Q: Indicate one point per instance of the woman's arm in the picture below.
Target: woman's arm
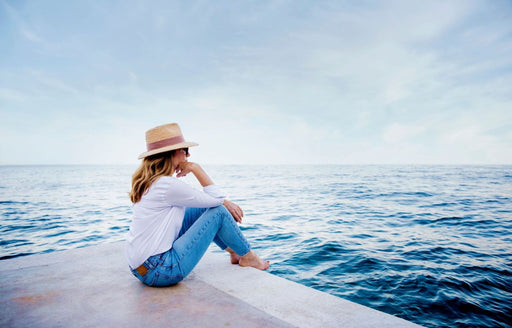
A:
(200, 174)
(205, 180)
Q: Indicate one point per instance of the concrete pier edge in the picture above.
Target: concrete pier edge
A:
(93, 286)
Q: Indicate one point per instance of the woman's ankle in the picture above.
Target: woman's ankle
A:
(234, 257)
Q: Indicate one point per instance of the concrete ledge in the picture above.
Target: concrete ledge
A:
(93, 287)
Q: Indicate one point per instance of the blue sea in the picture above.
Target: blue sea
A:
(430, 244)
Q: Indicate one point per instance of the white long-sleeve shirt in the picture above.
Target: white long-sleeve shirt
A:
(158, 216)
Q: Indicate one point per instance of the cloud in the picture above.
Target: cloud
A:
(23, 28)
(397, 132)
(282, 83)
(7, 94)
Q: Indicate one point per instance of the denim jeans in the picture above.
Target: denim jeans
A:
(200, 227)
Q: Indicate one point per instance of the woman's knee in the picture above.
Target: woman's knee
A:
(221, 210)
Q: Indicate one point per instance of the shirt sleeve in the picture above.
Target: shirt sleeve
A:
(214, 191)
(180, 193)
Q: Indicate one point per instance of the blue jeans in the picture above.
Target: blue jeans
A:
(200, 227)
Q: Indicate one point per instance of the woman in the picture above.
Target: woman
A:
(173, 224)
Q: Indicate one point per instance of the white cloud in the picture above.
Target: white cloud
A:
(24, 28)
(7, 94)
(397, 132)
(281, 83)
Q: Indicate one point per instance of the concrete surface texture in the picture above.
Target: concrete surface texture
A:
(93, 287)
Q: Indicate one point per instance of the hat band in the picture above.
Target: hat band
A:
(165, 142)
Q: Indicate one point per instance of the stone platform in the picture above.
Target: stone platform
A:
(93, 287)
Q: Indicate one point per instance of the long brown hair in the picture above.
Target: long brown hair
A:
(151, 168)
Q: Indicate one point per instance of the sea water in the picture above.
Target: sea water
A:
(430, 244)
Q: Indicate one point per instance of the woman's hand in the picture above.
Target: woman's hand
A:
(234, 209)
(185, 168)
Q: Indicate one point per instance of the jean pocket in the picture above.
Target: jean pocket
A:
(147, 279)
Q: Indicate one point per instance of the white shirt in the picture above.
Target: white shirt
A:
(158, 216)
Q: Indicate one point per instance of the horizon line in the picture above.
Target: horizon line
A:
(275, 164)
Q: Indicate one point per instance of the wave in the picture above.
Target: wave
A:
(10, 202)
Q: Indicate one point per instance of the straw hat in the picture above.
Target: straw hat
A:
(164, 138)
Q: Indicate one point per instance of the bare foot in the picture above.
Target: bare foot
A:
(252, 260)
(235, 258)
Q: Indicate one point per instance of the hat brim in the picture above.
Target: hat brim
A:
(168, 148)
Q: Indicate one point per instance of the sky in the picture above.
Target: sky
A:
(257, 82)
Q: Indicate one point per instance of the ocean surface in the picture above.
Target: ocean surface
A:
(430, 244)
